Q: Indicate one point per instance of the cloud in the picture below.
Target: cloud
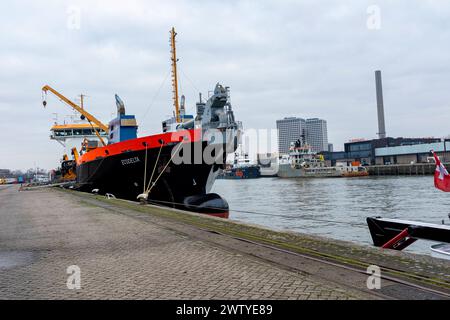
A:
(280, 58)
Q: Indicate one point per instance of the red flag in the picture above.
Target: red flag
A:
(441, 176)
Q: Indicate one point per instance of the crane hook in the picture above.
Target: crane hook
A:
(44, 99)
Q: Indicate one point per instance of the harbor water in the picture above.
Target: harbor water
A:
(335, 207)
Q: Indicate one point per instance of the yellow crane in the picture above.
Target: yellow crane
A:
(76, 107)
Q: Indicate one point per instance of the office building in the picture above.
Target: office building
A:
(317, 134)
(312, 131)
(290, 130)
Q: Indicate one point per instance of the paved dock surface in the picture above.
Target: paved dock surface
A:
(127, 254)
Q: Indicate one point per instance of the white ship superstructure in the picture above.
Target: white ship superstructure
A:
(73, 135)
(303, 162)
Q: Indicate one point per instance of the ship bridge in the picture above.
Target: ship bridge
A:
(62, 132)
(73, 134)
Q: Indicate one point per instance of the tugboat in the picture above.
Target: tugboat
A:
(355, 169)
(175, 168)
(242, 168)
(302, 162)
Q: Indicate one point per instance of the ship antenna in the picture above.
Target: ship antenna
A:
(174, 74)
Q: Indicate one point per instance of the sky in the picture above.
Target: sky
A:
(307, 58)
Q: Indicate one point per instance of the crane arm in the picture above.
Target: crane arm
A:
(88, 116)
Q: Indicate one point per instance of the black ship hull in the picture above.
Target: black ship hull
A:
(151, 169)
(383, 230)
(129, 174)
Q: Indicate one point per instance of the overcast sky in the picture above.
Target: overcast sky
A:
(305, 58)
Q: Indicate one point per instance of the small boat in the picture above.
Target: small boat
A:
(443, 250)
(398, 234)
(302, 162)
(353, 170)
(361, 172)
(241, 168)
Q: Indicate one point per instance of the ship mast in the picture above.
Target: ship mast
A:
(82, 100)
(174, 74)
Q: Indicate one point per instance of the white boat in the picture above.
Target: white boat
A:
(302, 162)
(442, 250)
(355, 169)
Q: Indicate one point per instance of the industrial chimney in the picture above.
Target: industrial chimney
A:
(380, 107)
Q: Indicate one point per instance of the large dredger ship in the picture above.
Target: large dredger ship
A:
(175, 168)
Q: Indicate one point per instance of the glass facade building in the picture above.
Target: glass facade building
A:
(290, 130)
(312, 131)
(317, 134)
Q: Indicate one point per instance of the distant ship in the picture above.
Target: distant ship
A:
(241, 168)
(302, 162)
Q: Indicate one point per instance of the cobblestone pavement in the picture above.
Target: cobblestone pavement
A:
(42, 232)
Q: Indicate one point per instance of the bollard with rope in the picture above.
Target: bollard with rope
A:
(148, 188)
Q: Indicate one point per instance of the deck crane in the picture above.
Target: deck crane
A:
(84, 113)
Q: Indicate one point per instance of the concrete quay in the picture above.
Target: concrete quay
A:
(125, 250)
(415, 169)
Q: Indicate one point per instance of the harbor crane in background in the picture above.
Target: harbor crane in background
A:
(80, 109)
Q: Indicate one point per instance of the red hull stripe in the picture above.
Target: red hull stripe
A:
(224, 215)
(139, 144)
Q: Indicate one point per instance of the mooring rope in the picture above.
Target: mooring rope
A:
(151, 185)
(165, 167)
(146, 191)
(257, 213)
